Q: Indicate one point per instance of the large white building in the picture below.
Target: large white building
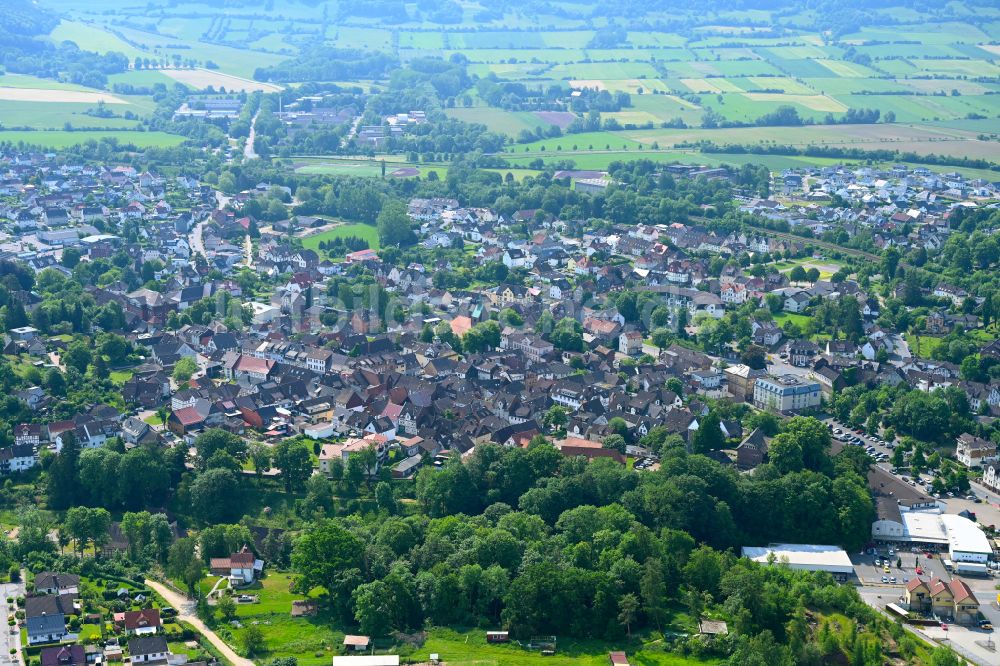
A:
(787, 393)
(807, 557)
(927, 526)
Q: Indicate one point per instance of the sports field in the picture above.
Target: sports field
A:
(363, 231)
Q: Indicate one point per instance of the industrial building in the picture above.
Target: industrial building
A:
(807, 557)
(907, 515)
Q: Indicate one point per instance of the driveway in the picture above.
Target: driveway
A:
(10, 637)
(186, 611)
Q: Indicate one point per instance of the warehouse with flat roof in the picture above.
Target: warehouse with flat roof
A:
(966, 541)
(808, 557)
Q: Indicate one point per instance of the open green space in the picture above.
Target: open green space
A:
(63, 139)
(799, 320)
(307, 638)
(120, 376)
(938, 138)
(470, 647)
(499, 120)
(310, 639)
(922, 346)
(363, 231)
(55, 115)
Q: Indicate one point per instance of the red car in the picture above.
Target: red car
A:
(929, 556)
(944, 626)
(919, 571)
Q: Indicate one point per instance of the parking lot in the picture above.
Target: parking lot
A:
(10, 638)
(871, 574)
(976, 645)
(881, 452)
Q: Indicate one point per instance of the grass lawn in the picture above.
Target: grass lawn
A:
(22, 364)
(799, 320)
(922, 345)
(153, 420)
(365, 231)
(826, 267)
(120, 376)
(90, 632)
(468, 648)
(306, 638)
(208, 582)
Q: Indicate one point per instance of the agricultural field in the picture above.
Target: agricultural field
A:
(727, 64)
(498, 120)
(63, 139)
(203, 78)
(600, 160)
(936, 138)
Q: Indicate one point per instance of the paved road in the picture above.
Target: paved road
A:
(195, 240)
(186, 611)
(248, 151)
(10, 637)
(248, 251)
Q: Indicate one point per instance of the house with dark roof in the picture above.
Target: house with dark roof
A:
(48, 582)
(64, 655)
(752, 450)
(45, 618)
(148, 650)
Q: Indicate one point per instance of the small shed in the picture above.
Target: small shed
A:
(713, 627)
(497, 636)
(618, 659)
(357, 643)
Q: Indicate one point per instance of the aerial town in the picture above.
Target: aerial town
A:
(512, 334)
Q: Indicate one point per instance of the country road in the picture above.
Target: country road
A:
(185, 610)
(248, 151)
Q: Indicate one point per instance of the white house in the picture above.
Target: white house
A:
(974, 451)
(241, 568)
(796, 302)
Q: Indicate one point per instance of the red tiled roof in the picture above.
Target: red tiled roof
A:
(460, 325)
(241, 560)
(936, 586)
(260, 366)
(392, 411)
(189, 416)
(148, 617)
(961, 591)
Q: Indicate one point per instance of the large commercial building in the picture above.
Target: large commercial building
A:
(787, 393)
(908, 516)
(807, 557)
